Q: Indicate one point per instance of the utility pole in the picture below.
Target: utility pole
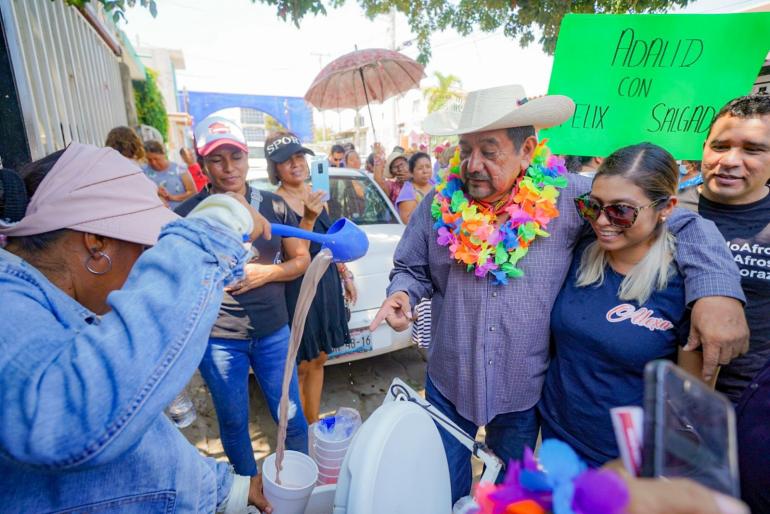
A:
(320, 67)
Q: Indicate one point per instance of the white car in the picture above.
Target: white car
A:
(355, 195)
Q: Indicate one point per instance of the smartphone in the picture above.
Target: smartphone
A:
(319, 176)
(689, 430)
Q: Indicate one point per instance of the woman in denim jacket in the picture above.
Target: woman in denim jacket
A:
(97, 336)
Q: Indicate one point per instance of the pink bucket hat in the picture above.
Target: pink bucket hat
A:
(95, 190)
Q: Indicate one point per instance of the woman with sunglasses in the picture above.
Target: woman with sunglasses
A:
(622, 303)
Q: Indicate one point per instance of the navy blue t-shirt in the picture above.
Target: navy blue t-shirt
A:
(600, 347)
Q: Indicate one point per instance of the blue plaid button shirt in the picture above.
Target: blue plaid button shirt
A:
(490, 343)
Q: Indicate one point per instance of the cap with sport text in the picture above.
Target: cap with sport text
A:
(216, 131)
(284, 147)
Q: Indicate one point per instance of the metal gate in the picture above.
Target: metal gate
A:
(68, 79)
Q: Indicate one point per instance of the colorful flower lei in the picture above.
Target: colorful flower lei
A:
(559, 483)
(468, 228)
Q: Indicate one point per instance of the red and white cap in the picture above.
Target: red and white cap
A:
(216, 131)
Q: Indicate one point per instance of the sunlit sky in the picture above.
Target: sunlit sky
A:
(236, 46)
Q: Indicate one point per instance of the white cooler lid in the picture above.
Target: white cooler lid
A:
(396, 464)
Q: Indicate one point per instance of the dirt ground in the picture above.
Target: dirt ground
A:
(361, 385)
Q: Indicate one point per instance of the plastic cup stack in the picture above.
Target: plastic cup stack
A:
(331, 437)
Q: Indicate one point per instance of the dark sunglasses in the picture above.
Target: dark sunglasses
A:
(618, 214)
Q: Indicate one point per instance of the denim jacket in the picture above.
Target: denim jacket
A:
(82, 427)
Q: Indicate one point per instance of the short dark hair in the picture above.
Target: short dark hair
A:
(416, 157)
(32, 175)
(518, 135)
(338, 149)
(573, 163)
(749, 106)
(154, 147)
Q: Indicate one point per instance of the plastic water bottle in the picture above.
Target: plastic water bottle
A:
(181, 410)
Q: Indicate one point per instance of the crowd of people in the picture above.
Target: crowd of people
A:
(123, 272)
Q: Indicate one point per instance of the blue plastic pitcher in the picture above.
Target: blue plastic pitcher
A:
(346, 241)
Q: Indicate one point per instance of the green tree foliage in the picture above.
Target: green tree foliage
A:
(149, 103)
(117, 7)
(521, 19)
(449, 88)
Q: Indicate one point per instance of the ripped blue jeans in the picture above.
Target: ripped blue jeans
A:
(225, 368)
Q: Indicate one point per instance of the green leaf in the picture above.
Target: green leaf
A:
(517, 255)
(458, 198)
(435, 209)
(501, 254)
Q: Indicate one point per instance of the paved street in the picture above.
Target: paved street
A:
(361, 385)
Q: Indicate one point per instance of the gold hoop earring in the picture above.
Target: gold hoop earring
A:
(99, 256)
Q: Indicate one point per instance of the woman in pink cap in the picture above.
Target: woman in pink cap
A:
(98, 334)
(252, 329)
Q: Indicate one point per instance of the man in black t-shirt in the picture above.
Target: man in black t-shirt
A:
(735, 196)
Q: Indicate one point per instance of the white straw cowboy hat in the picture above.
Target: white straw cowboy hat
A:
(500, 108)
(393, 157)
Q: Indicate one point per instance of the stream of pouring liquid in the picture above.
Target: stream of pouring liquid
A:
(306, 294)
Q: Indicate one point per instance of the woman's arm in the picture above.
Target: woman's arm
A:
(713, 283)
(312, 204)
(257, 275)
(189, 188)
(83, 397)
(405, 209)
(379, 175)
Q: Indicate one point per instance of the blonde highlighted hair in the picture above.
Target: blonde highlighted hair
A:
(655, 172)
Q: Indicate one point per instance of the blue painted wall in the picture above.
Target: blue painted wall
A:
(299, 119)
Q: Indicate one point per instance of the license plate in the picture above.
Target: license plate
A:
(360, 342)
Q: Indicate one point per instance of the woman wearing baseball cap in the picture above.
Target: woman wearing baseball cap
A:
(326, 327)
(98, 334)
(252, 329)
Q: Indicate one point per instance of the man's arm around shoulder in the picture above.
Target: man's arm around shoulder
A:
(713, 288)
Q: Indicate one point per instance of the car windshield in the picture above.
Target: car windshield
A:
(355, 198)
(359, 200)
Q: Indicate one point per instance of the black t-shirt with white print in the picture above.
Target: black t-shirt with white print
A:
(747, 231)
(260, 311)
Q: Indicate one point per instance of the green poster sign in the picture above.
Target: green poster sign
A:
(657, 78)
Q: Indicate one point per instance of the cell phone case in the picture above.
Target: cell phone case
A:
(689, 430)
(319, 176)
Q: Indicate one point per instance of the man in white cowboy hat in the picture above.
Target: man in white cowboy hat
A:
(490, 316)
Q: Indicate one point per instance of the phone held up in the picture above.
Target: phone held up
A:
(319, 176)
(689, 430)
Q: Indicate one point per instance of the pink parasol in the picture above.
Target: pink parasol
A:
(364, 76)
